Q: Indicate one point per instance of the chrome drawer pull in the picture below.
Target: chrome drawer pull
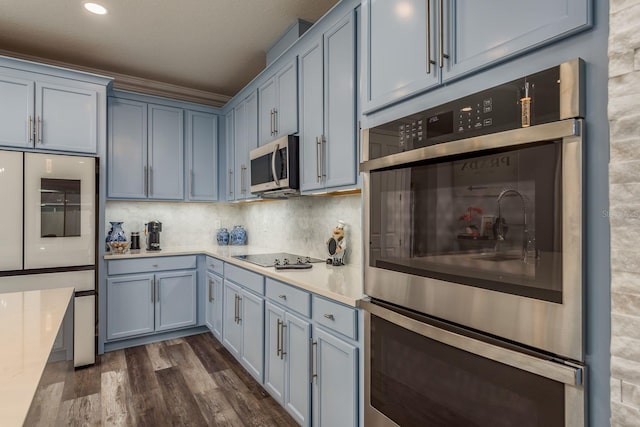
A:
(284, 297)
(330, 316)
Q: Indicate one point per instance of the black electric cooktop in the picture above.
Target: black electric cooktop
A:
(279, 258)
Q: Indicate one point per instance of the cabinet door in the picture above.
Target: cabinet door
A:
(338, 166)
(273, 361)
(297, 397)
(130, 306)
(229, 173)
(241, 157)
(477, 33)
(252, 138)
(66, 118)
(335, 388)
(266, 110)
(286, 119)
(202, 144)
(213, 313)
(399, 54)
(311, 114)
(252, 320)
(175, 300)
(166, 153)
(16, 112)
(231, 327)
(127, 149)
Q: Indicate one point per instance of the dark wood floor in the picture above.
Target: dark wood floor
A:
(191, 381)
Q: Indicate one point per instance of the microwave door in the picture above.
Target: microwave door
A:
(11, 212)
(59, 200)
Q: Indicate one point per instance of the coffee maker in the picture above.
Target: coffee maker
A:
(153, 235)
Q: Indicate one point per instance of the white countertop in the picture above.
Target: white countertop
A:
(342, 284)
(29, 323)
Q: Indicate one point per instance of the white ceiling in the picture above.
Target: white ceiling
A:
(216, 46)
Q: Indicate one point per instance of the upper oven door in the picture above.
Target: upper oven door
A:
(59, 211)
(484, 232)
(270, 166)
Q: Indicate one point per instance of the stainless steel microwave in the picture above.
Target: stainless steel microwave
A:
(275, 168)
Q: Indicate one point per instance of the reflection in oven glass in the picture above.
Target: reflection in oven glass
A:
(416, 381)
(491, 220)
(59, 207)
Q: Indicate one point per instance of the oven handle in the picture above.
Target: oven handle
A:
(572, 375)
(533, 134)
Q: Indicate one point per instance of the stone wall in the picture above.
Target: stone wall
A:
(624, 211)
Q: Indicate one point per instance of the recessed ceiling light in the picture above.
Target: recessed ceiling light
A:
(95, 8)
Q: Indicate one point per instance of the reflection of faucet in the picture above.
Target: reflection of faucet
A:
(500, 226)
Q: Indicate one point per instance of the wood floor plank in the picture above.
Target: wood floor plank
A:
(83, 411)
(183, 409)
(203, 346)
(241, 399)
(217, 410)
(196, 376)
(141, 374)
(115, 399)
(112, 361)
(82, 382)
(158, 356)
(45, 408)
(149, 409)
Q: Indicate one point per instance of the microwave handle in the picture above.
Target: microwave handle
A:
(273, 165)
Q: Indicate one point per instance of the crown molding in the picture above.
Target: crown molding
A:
(136, 84)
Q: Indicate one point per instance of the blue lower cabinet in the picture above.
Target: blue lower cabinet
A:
(335, 381)
(286, 372)
(243, 328)
(130, 306)
(142, 304)
(213, 310)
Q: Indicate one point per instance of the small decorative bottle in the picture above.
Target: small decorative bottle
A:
(222, 236)
(238, 235)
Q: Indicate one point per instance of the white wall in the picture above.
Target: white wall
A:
(624, 210)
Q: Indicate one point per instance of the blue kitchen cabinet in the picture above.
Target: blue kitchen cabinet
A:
(213, 313)
(287, 361)
(52, 114)
(127, 149)
(278, 104)
(411, 46)
(130, 306)
(229, 130)
(245, 139)
(175, 300)
(335, 381)
(252, 320)
(145, 150)
(328, 108)
(166, 152)
(202, 156)
(231, 326)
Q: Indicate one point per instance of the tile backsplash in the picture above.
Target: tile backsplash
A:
(299, 225)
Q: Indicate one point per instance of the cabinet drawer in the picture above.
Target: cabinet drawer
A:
(289, 296)
(215, 265)
(246, 278)
(335, 316)
(139, 265)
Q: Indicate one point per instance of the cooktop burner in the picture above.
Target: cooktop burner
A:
(280, 258)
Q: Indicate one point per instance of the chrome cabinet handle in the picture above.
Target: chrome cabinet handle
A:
(271, 121)
(235, 313)
(30, 128)
(242, 170)
(39, 131)
(441, 25)
(429, 60)
(273, 165)
(230, 182)
(313, 347)
(239, 309)
(284, 297)
(323, 143)
(210, 298)
(282, 352)
(151, 180)
(153, 290)
(146, 180)
(191, 182)
(330, 316)
(278, 338)
(318, 147)
(275, 121)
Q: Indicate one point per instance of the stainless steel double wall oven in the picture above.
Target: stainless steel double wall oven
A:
(473, 218)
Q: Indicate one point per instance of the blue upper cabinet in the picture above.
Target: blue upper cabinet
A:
(413, 45)
(278, 106)
(166, 152)
(245, 138)
(229, 129)
(55, 114)
(327, 105)
(202, 156)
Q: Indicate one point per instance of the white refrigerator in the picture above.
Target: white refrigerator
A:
(49, 234)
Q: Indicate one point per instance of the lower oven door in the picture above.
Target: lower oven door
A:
(418, 374)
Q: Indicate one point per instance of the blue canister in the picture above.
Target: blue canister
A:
(222, 236)
(238, 235)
